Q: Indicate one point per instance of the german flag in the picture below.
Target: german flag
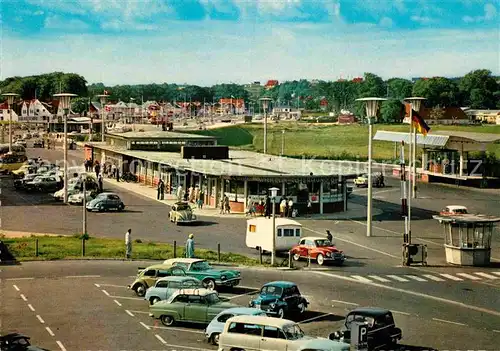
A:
(419, 123)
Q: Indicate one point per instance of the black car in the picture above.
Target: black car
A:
(21, 183)
(280, 299)
(382, 331)
(17, 342)
(38, 144)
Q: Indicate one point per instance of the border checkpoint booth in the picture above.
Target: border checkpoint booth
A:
(467, 238)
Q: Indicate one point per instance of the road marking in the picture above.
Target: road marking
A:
(114, 286)
(40, 319)
(30, 278)
(15, 287)
(97, 285)
(413, 293)
(139, 312)
(105, 292)
(432, 277)
(83, 276)
(31, 307)
(485, 275)
(449, 276)
(414, 277)
(345, 302)
(360, 278)
(248, 293)
(468, 276)
(129, 313)
(176, 329)
(247, 287)
(398, 278)
(119, 304)
(399, 312)
(380, 279)
(127, 297)
(61, 346)
(144, 325)
(314, 318)
(24, 297)
(356, 244)
(496, 331)
(446, 321)
(50, 331)
(497, 273)
(160, 338)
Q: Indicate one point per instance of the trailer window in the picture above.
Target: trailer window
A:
(297, 232)
(288, 232)
(252, 228)
(279, 232)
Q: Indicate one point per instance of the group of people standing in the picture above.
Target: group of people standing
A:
(193, 195)
(264, 207)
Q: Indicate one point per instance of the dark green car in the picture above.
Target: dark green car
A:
(210, 277)
(190, 305)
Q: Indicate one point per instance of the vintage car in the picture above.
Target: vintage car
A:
(318, 249)
(165, 287)
(77, 198)
(17, 342)
(106, 202)
(189, 305)
(147, 276)
(280, 299)
(43, 183)
(382, 331)
(20, 183)
(454, 210)
(216, 326)
(38, 144)
(181, 213)
(377, 180)
(211, 278)
(25, 169)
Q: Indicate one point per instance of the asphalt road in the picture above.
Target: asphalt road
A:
(85, 306)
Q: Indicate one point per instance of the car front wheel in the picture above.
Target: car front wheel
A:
(281, 313)
(320, 259)
(140, 290)
(209, 284)
(296, 257)
(215, 339)
(167, 320)
(301, 307)
(154, 300)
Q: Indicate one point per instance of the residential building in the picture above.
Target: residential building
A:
(286, 112)
(271, 84)
(232, 106)
(36, 111)
(5, 113)
(438, 115)
(483, 116)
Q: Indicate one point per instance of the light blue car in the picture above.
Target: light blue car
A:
(216, 326)
(165, 287)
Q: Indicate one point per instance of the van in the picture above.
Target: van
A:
(260, 233)
(268, 333)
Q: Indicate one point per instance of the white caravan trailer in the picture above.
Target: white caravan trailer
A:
(260, 233)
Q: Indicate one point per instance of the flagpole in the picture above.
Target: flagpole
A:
(414, 163)
(410, 152)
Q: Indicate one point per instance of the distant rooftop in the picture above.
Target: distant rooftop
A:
(159, 135)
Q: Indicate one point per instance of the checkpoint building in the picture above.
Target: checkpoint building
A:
(191, 160)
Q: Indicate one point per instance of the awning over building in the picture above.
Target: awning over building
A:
(428, 140)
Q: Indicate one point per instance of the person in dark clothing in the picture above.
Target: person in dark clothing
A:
(268, 207)
(161, 190)
(117, 175)
(329, 236)
(97, 169)
(99, 180)
(287, 208)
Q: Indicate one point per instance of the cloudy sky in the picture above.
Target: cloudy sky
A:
(213, 41)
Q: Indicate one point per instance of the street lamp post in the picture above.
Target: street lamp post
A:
(65, 105)
(372, 105)
(274, 193)
(282, 142)
(265, 105)
(102, 99)
(10, 101)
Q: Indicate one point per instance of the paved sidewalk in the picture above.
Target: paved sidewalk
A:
(354, 210)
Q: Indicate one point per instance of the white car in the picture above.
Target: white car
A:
(77, 199)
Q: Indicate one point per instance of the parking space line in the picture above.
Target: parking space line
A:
(496, 331)
(50, 331)
(129, 313)
(160, 338)
(24, 297)
(248, 293)
(83, 276)
(114, 286)
(119, 304)
(126, 297)
(248, 287)
(144, 325)
(176, 329)
(399, 312)
(15, 287)
(105, 292)
(31, 307)
(314, 318)
(97, 285)
(30, 278)
(139, 312)
(61, 346)
(449, 322)
(40, 319)
(346, 303)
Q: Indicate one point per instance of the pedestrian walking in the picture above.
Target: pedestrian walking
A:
(227, 206)
(282, 207)
(97, 169)
(128, 244)
(161, 190)
(290, 207)
(201, 196)
(309, 207)
(267, 207)
(287, 208)
(99, 181)
(117, 175)
(329, 236)
(190, 246)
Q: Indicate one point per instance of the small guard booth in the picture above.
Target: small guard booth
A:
(467, 238)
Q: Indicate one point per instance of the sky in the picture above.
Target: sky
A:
(206, 42)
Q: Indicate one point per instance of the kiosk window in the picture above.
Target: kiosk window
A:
(252, 228)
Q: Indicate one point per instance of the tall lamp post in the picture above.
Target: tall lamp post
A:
(10, 101)
(274, 193)
(372, 105)
(415, 103)
(282, 142)
(65, 105)
(102, 100)
(265, 105)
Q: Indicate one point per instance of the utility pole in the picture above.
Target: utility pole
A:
(84, 209)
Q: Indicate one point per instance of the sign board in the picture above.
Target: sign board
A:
(359, 336)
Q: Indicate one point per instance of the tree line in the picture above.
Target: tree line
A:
(478, 89)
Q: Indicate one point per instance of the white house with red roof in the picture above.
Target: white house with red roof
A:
(35, 111)
(5, 111)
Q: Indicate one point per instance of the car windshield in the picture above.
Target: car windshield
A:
(293, 332)
(460, 211)
(323, 243)
(200, 266)
(183, 207)
(213, 298)
(271, 290)
(101, 197)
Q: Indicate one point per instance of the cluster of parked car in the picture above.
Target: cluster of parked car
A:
(184, 290)
(38, 175)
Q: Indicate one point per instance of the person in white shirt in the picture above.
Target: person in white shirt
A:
(290, 207)
(128, 244)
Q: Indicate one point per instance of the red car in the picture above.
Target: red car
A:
(319, 249)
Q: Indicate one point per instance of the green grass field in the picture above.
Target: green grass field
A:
(325, 141)
(70, 247)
